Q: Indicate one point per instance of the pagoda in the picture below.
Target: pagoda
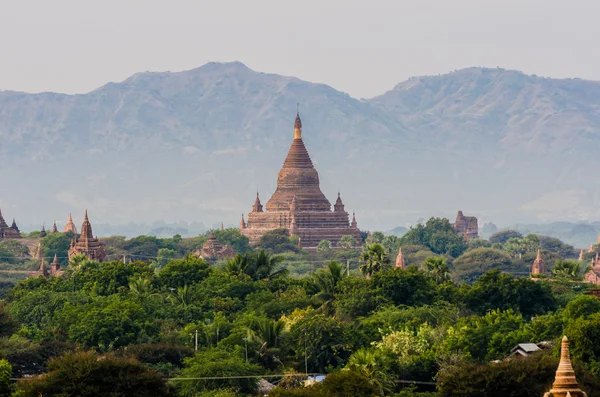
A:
(70, 226)
(8, 232)
(86, 244)
(299, 205)
(565, 384)
(213, 250)
(539, 266)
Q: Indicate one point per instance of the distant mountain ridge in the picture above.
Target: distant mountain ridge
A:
(196, 145)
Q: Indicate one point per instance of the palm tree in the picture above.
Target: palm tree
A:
(374, 258)
(140, 286)
(368, 363)
(327, 280)
(182, 297)
(569, 270)
(268, 266)
(267, 333)
(437, 268)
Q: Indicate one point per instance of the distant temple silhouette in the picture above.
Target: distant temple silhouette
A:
(299, 205)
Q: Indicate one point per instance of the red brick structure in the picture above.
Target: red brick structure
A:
(70, 226)
(466, 226)
(213, 250)
(539, 266)
(8, 232)
(299, 205)
(87, 244)
(592, 276)
(400, 260)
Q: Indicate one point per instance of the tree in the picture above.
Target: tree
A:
(370, 363)
(374, 258)
(324, 246)
(219, 363)
(268, 333)
(437, 268)
(178, 273)
(503, 236)
(519, 246)
(278, 241)
(234, 239)
(55, 244)
(327, 280)
(375, 238)
(472, 264)
(495, 290)
(259, 265)
(164, 256)
(5, 381)
(567, 270)
(438, 235)
(86, 373)
(347, 242)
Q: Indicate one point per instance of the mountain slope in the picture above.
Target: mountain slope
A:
(195, 145)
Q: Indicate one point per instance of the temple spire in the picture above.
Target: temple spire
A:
(565, 383)
(43, 232)
(354, 224)
(242, 223)
(539, 266)
(400, 260)
(581, 256)
(54, 228)
(339, 205)
(298, 124)
(257, 207)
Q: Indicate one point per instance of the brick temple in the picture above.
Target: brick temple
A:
(8, 232)
(299, 205)
(86, 244)
(466, 226)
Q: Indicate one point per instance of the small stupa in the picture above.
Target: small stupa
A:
(565, 384)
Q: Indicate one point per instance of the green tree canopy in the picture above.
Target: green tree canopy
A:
(438, 235)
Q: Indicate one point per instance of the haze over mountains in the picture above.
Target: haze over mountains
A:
(196, 145)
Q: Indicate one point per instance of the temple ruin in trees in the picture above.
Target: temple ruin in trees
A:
(299, 205)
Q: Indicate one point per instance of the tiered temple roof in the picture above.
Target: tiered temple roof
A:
(213, 250)
(565, 383)
(592, 276)
(87, 244)
(70, 226)
(539, 266)
(54, 228)
(8, 232)
(299, 205)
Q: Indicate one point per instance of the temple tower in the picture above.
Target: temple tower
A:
(400, 260)
(87, 244)
(299, 205)
(70, 226)
(539, 266)
(565, 384)
(7, 232)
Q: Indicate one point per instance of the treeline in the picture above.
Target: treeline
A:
(252, 319)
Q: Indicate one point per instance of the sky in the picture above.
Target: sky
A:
(361, 47)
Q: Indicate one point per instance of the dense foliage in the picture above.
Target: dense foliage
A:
(455, 308)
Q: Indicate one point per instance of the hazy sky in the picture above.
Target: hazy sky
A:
(361, 47)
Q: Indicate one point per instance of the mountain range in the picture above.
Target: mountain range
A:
(196, 145)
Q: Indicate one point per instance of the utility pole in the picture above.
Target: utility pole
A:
(305, 358)
(348, 266)
(196, 348)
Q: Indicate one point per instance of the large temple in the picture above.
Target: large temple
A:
(8, 232)
(299, 205)
(86, 244)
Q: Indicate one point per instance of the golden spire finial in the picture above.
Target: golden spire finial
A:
(298, 124)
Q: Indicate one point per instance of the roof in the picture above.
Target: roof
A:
(526, 347)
